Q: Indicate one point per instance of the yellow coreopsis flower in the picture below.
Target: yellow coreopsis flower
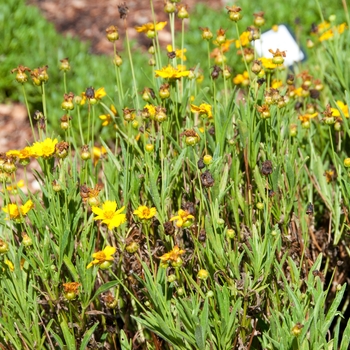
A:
(109, 214)
(241, 79)
(307, 117)
(144, 212)
(107, 118)
(151, 27)
(170, 72)
(173, 255)
(204, 110)
(44, 149)
(151, 110)
(243, 40)
(329, 34)
(341, 107)
(15, 187)
(98, 153)
(183, 219)
(17, 212)
(103, 258)
(267, 63)
(9, 264)
(179, 53)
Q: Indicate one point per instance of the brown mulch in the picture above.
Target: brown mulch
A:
(88, 19)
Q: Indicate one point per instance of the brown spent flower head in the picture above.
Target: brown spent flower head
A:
(254, 33)
(259, 19)
(21, 75)
(39, 75)
(62, 149)
(71, 287)
(112, 33)
(207, 179)
(278, 56)
(65, 65)
(182, 11)
(216, 72)
(266, 167)
(169, 228)
(123, 10)
(234, 13)
(67, 103)
(264, 110)
(206, 33)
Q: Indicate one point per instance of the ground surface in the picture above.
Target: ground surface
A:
(88, 19)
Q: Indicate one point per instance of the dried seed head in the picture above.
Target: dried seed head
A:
(207, 179)
(266, 167)
(123, 10)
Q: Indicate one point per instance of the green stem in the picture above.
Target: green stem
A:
(131, 66)
(28, 111)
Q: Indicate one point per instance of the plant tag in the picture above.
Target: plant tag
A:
(283, 40)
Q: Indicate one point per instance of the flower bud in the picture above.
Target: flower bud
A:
(191, 140)
(26, 240)
(347, 162)
(337, 126)
(4, 247)
(260, 205)
(106, 265)
(85, 153)
(64, 66)
(117, 60)
(207, 159)
(180, 291)
(112, 33)
(230, 233)
(133, 247)
(171, 278)
(149, 147)
(296, 330)
(182, 12)
(206, 33)
(169, 7)
(56, 186)
(293, 130)
(202, 274)
(256, 67)
(177, 263)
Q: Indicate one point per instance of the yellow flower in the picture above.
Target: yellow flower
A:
(276, 84)
(44, 149)
(150, 27)
(151, 110)
(19, 184)
(341, 107)
(144, 212)
(107, 118)
(109, 214)
(16, 212)
(106, 255)
(173, 255)
(98, 153)
(179, 53)
(183, 219)
(99, 93)
(307, 117)
(328, 34)
(241, 79)
(267, 63)
(9, 264)
(243, 40)
(203, 109)
(170, 72)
